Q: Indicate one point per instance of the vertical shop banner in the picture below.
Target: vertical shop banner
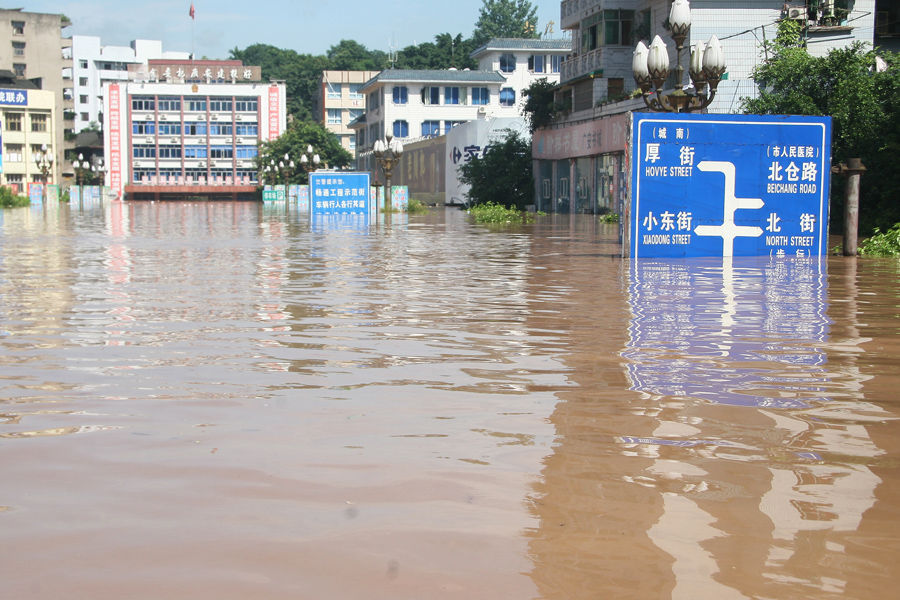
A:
(115, 140)
(729, 185)
(274, 112)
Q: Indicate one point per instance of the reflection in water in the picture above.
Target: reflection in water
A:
(424, 408)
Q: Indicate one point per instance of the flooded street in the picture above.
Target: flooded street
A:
(228, 401)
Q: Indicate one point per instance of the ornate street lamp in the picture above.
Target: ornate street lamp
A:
(650, 67)
(387, 154)
(309, 161)
(43, 160)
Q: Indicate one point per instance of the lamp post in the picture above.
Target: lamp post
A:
(98, 171)
(43, 160)
(309, 161)
(650, 67)
(81, 166)
(387, 154)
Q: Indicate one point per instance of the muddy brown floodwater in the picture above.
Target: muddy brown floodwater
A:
(227, 401)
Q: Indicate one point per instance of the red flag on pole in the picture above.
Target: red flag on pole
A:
(191, 13)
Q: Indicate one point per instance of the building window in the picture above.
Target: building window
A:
(170, 151)
(334, 90)
(169, 103)
(246, 129)
(481, 95)
(14, 178)
(431, 128)
(354, 91)
(85, 117)
(195, 152)
(82, 81)
(18, 48)
(143, 103)
(507, 97)
(221, 152)
(143, 151)
(220, 128)
(555, 63)
(353, 114)
(220, 105)
(38, 122)
(13, 121)
(19, 69)
(195, 128)
(169, 128)
(18, 27)
(451, 95)
(607, 28)
(431, 95)
(247, 151)
(246, 104)
(82, 64)
(401, 129)
(334, 116)
(536, 63)
(196, 105)
(13, 153)
(143, 127)
(400, 94)
(351, 143)
(83, 99)
(507, 63)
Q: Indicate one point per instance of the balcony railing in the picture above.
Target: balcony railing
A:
(581, 65)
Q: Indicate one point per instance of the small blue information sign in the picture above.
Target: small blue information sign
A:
(338, 193)
(729, 185)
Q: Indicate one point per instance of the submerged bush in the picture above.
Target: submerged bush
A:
(492, 212)
(885, 243)
(10, 200)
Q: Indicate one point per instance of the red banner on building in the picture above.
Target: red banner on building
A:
(274, 112)
(115, 141)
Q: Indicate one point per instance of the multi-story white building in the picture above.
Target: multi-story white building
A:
(95, 65)
(189, 129)
(414, 104)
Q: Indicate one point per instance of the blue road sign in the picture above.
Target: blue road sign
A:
(334, 193)
(729, 185)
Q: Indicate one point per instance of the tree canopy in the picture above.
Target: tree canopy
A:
(505, 18)
(862, 101)
(294, 142)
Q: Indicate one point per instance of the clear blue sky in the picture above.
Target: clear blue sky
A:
(309, 27)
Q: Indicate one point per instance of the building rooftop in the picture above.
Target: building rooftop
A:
(9, 80)
(445, 75)
(495, 44)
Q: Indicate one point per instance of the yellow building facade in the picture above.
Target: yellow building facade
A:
(28, 118)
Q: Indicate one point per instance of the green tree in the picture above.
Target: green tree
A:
(540, 105)
(502, 175)
(505, 19)
(445, 52)
(294, 142)
(349, 55)
(862, 101)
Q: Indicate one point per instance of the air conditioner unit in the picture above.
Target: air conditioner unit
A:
(214, 117)
(796, 14)
(148, 141)
(239, 141)
(174, 141)
(162, 117)
(201, 165)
